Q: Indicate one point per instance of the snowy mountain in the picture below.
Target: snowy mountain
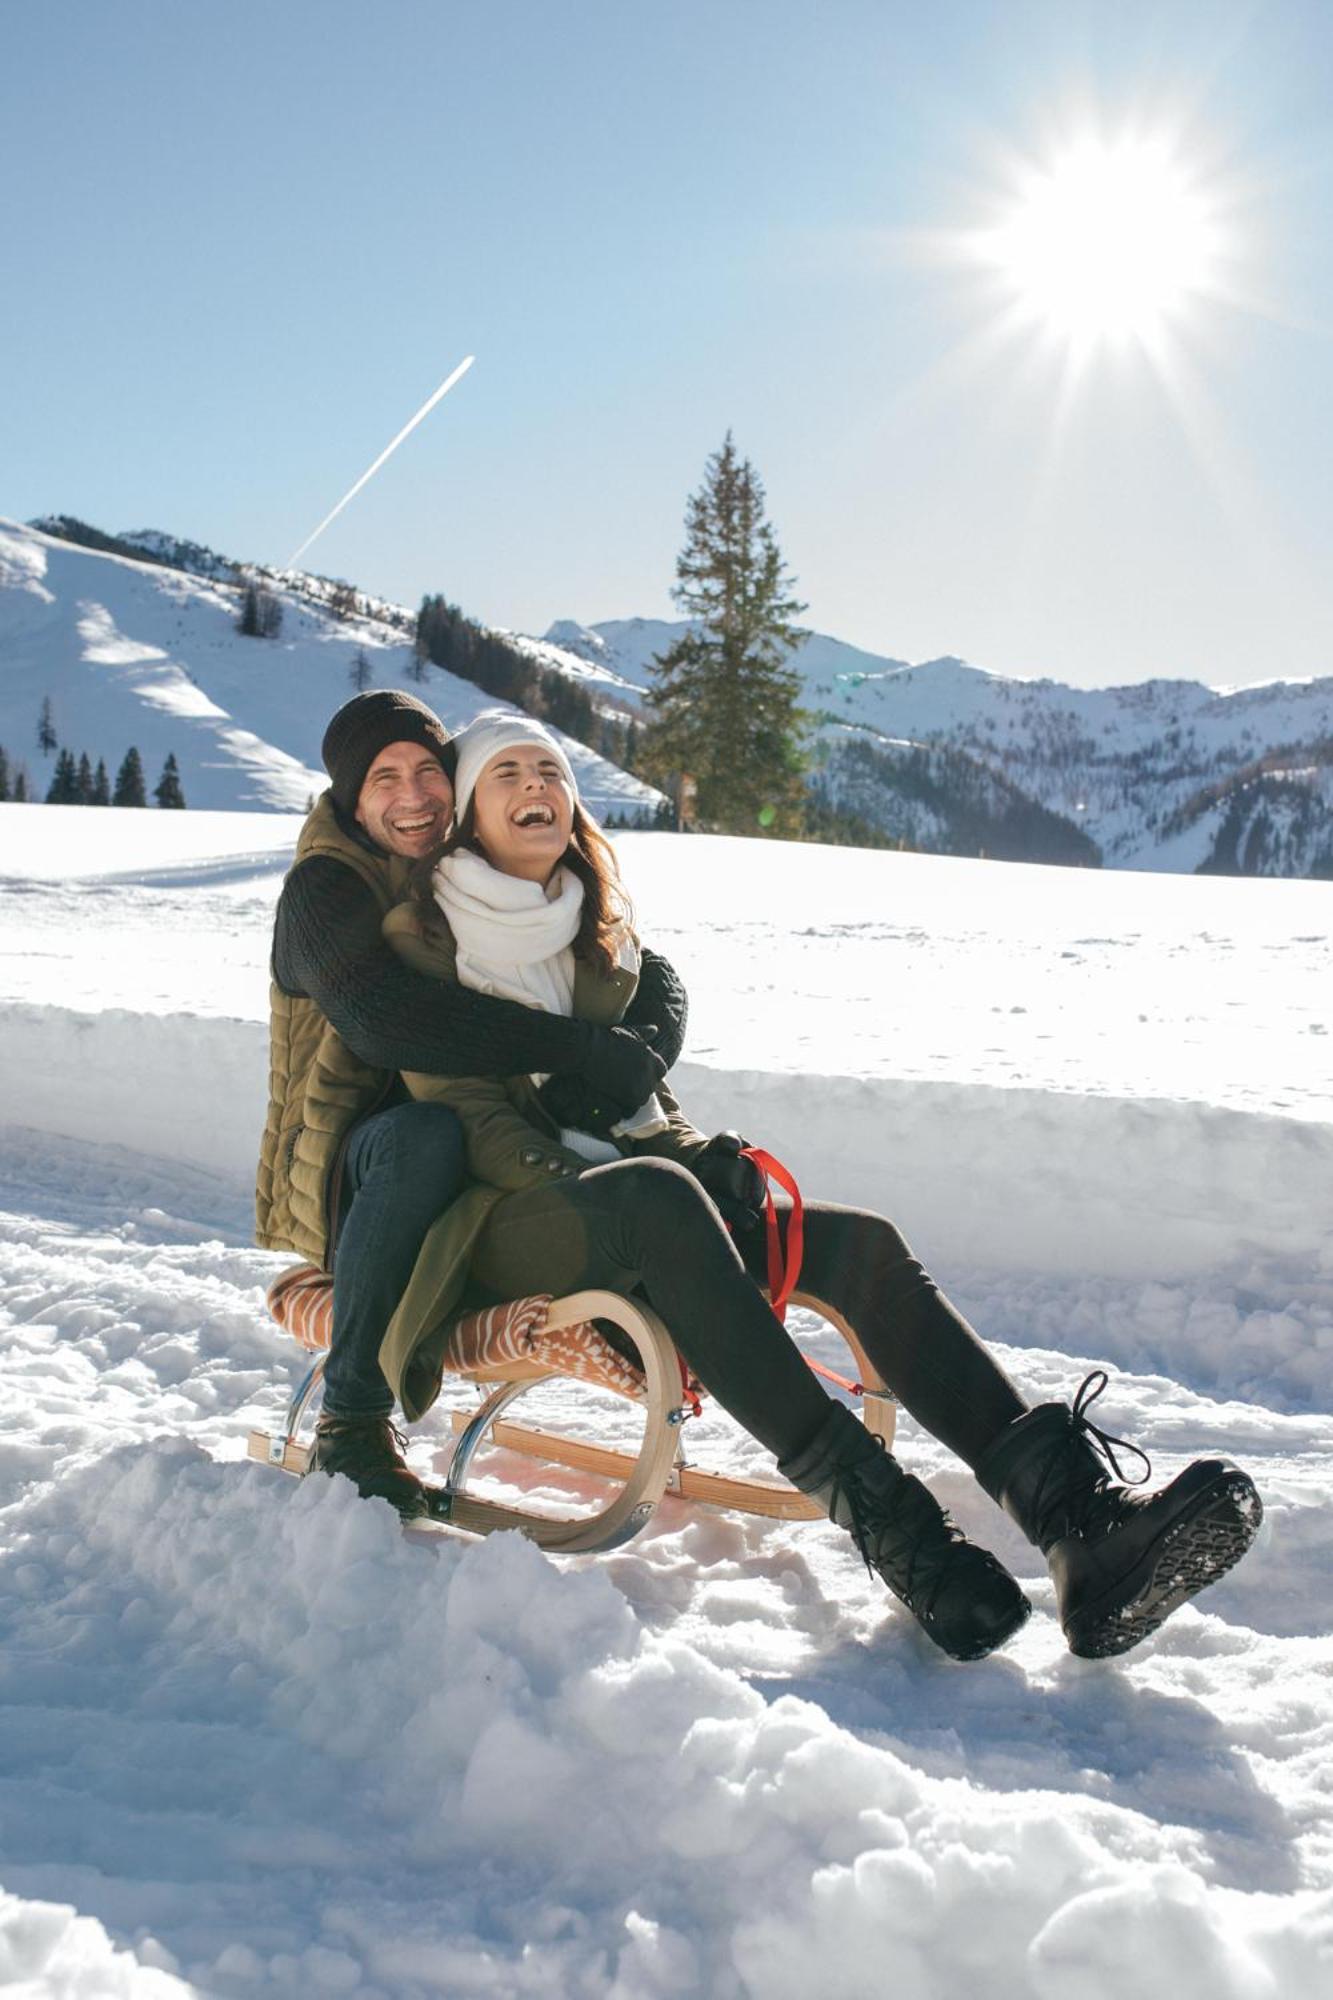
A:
(143, 650)
(133, 639)
(1162, 774)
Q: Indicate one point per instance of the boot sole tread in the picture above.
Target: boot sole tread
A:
(1194, 1552)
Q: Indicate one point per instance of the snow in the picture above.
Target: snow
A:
(257, 1741)
(132, 653)
(1118, 761)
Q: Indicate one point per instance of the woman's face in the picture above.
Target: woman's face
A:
(524, 812)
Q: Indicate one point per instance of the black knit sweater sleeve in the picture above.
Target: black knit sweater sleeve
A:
(327, 945)
(660, 1001)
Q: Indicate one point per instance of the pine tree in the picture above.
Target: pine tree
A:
(270, 615)
(4, 776)
(359, 671)
(167, 790)
(47, 740)
(723, 702)
(84, 781)
(64, 786)
(21, 785)
(101, 785)
(416, 666)
(129, 781)
(261, 612)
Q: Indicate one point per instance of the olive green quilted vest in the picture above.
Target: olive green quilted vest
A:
(317, 1088)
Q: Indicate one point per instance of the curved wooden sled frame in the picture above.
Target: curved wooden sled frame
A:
(658, 1468)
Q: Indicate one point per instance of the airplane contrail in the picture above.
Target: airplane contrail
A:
(387, 452)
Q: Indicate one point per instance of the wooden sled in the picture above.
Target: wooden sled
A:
(566, 1343)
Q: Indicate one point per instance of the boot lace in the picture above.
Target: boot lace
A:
(918, 1540)
(1064, 1488)
(1102, 1440)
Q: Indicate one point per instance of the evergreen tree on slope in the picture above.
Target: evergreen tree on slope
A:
(129, 781)
(167, 791)
(724, 704)
(64, 787)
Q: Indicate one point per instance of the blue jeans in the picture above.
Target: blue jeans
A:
(402, 1168)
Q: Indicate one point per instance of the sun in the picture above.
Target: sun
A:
(1106, 242)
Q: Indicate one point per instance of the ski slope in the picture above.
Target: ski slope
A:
(132, 653)
(259, 1742)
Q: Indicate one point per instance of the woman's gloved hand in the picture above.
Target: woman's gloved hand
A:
(736, 1185)
(595, 1098)
(576, 1104)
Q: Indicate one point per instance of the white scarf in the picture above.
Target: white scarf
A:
(515, 939)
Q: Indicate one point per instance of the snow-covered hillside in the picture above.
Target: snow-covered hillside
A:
(258, 1742)
(134, 653)
(1160, 774)
(941, 757)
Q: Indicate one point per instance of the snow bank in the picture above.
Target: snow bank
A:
(1002, 1179)
(508, 1785)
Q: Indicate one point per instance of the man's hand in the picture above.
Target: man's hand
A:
(736, 1185)
(622, 1070)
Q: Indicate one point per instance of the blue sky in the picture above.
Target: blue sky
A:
(241, 244)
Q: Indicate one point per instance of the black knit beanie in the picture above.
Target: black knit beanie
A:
(367, 724)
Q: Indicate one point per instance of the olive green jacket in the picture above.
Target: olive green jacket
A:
(318, 1090)
(512, 1145)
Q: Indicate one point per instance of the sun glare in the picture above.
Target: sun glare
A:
(1107, 242)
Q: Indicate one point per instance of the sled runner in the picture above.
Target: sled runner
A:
(505, 1350)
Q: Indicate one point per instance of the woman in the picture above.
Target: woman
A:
(526, 902)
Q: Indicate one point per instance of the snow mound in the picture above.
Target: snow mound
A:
(504, 1777)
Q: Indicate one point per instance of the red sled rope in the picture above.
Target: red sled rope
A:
(784, 1267)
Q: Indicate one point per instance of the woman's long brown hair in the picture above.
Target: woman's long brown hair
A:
(607, 910)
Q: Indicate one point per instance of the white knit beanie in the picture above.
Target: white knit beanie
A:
(494, 730)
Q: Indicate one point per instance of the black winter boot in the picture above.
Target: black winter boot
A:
(368, 1451)
(1121, 1562)
(962, 1598)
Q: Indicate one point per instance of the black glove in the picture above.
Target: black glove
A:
(623, 1071)
(578, 1105)
(736, 1185)
(660, 997)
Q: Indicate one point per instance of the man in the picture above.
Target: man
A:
(352, 1173)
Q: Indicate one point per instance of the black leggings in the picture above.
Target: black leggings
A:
(648, 1225)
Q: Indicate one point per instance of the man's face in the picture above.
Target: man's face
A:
(406, 802)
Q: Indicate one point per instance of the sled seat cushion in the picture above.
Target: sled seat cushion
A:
(503, 1343)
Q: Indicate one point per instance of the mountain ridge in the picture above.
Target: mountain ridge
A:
(1157, 774)
(138, 650)
(939, 755)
